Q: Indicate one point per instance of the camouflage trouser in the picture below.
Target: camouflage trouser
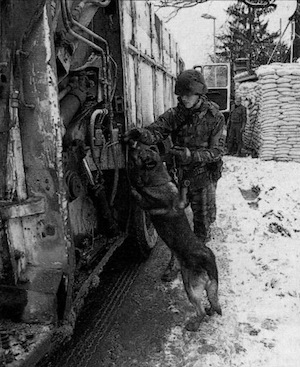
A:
(203, 204)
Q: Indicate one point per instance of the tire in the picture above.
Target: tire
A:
(145, 233)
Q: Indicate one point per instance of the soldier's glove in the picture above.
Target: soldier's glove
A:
(197, 156)
(138, 134)
(182, 154)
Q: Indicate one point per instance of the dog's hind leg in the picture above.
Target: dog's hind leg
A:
(171, 270)
(212, 295)
(194, 284)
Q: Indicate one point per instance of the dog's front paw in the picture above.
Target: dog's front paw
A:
(169, 275)
(193, 323)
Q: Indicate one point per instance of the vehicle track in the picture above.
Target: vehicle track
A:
(99, 311)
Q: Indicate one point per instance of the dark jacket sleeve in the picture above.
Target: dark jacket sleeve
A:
(166, 123)
(215, 149)
(244, 116)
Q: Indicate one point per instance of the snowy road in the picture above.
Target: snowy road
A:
(257, 245)
(258, 258)
(263, 239)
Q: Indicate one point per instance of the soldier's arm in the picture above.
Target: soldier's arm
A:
(158, 130)
(215, 149)
(166, 123)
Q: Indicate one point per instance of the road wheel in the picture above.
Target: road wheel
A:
(145, 233)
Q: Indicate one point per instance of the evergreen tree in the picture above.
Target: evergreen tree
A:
(247, 35)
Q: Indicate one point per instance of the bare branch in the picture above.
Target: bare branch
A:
(176, 5)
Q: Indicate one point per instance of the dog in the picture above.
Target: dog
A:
(155, 193)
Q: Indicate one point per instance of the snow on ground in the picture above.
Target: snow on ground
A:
(257, 245)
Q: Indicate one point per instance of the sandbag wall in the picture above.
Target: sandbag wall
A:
(279, 112)
(250, 94)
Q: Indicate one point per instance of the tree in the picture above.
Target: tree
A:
(177, 5)
(247, 35)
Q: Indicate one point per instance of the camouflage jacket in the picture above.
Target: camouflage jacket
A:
(200, 130)
(238, 115)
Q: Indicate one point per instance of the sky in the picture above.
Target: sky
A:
(194, 34)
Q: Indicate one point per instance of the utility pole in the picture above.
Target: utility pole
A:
(292, 39)
(208, 16)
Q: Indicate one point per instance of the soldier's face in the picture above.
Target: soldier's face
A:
(189, 100)
(238, 101)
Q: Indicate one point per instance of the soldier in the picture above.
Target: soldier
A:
(196, 128)
(237, 123)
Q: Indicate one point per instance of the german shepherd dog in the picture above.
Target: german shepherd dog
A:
(155, 193)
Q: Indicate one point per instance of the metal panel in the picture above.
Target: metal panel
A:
(127, 21)
(147, 92)
(157, 38)
(130, 104)
(143, 31)
(159, 105)
(166, 49)
(150, 63)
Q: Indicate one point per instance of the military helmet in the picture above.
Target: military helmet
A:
(190, 82)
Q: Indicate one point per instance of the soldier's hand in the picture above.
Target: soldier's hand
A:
(182, 154)
(138, 134)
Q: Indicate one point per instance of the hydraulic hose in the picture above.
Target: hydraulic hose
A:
(102, 112)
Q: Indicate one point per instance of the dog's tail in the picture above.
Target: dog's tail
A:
(212, 295)
(212, 285)
(206, 260)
